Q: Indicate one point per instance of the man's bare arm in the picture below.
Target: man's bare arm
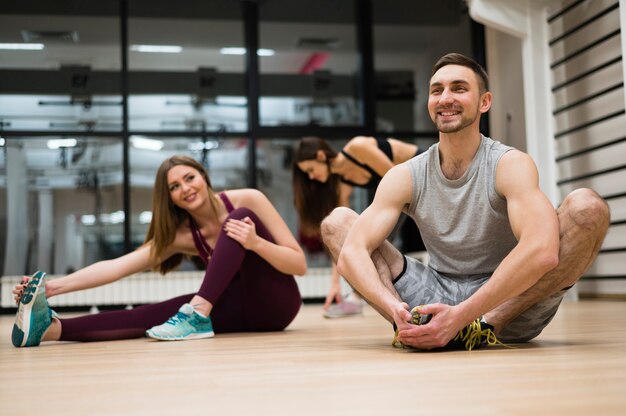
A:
(534, 224)
(369, 232)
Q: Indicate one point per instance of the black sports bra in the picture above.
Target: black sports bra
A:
(385, 147)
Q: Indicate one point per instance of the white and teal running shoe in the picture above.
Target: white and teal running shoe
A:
(186, 324)
(34, 316)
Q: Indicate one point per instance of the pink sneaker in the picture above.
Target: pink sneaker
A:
(344, 309)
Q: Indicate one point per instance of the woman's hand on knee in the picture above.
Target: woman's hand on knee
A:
(243, 231)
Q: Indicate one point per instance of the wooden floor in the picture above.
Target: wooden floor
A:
(326, 367)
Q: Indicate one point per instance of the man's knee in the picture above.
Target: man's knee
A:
(587, 209)
(337, 224)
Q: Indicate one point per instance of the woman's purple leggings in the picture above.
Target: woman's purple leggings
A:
(247, 294)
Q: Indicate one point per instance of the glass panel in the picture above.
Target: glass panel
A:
(3, 202)
(67, 40)
(308, 63)
(58, 113)
(226, 159)
(67, 80)
(406, 46)
(183, 79)
(181, 113)
(64, 203)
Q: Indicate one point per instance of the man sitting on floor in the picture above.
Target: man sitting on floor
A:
(501, 258)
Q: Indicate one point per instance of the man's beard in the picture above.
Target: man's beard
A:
(456, 126)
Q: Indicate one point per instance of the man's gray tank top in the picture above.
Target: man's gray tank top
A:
(463, 222)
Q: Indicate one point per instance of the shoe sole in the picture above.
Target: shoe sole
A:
(346, 315)
(21, 327)
(200, 335)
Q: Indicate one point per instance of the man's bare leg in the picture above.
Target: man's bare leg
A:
(583, 222)
(387, 259)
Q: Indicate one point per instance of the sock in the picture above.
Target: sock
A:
(198, 312)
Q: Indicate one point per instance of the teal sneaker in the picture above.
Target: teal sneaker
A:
(34, 316)
(186, 324)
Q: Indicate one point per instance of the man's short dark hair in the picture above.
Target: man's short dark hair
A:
(462, 60)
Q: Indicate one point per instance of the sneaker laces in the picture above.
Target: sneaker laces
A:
(472, 335)
(179, 317)
(475, 335)
(395, 343)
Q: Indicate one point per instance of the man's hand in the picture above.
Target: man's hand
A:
(443, 327)
(402, 317)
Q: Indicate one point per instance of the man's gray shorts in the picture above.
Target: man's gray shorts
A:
(421, 285)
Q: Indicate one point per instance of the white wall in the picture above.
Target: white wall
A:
(507, 117)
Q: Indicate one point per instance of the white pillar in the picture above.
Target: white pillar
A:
(45, 230)
(73, 249)
(17, 212)
(507, 119)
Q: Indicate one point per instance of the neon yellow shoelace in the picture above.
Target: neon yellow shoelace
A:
(472, 335)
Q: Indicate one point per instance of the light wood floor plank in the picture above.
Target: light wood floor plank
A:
(326, 367)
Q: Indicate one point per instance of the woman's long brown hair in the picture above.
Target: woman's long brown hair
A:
(313, 200)
(167, 217)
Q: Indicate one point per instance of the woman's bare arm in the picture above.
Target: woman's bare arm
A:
(102, 272)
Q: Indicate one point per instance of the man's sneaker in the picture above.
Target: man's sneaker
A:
(344, 309)
(416, 319)
(186, 324)
(473, 336)
(34, 316)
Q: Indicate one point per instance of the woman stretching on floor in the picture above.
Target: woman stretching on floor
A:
(323, 179)
(249, 253)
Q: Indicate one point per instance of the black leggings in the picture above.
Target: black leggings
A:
(247, 294)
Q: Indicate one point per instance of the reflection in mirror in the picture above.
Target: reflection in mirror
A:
(3, 201)
(312, 77)
(303, 111)
(61, 113)
(188, 113)
(64, 199)
(181, 78)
